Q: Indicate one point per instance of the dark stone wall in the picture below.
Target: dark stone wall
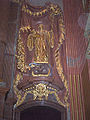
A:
(9, 59)
(8, 22)
(4, 4)
(75, 54)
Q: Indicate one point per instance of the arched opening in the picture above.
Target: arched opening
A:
(40, 113)
(40, 110)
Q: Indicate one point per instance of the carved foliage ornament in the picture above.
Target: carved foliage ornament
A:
(39, 91)
(22, 66)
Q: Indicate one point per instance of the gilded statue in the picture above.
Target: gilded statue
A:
(39, 39)
(35, 57)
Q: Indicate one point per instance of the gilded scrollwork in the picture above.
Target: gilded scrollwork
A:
(39, 91)
(37, 38)
(21, 56)
(57, 58)
(57, 52)
(34, 40)
(53, 8)
(16, 90)
(21, 65)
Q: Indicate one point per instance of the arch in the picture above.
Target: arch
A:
(48, 105)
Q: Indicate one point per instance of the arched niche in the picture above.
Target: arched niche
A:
(40, 110)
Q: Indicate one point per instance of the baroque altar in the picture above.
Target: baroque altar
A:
(40, 56)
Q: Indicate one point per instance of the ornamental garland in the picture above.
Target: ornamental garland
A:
(21, 51)
(57, 58)
(38, 91)
(54, 10)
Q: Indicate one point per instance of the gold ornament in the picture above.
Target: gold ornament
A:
(39, 38)
(39, 91)
(34, 38)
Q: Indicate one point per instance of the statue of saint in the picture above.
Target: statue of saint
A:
(36, 60)
(41, 40)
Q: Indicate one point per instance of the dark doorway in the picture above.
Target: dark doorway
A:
(40, 113)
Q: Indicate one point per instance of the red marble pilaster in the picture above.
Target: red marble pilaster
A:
(75, 54)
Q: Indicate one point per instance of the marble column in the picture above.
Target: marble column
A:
(75, 54)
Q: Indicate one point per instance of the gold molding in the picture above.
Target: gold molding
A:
(21, 55)
(38, 91)
(55, 10)
(57, 57)
(21, 51)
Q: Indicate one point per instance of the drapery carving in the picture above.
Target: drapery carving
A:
(38, 39)
(39, 48)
